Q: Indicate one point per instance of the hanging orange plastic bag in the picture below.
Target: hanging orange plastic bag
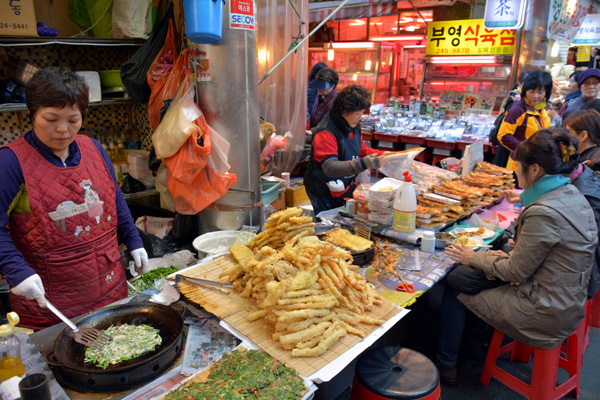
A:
(194, 184)
(166, 87)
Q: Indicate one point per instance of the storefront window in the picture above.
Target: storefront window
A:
(353, 29)
(383, 26)
(412, 22)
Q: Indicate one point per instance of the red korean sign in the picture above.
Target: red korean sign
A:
(241, 15)
(468, 36)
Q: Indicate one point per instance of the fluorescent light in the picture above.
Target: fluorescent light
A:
(330, 55)
(354, 45)
(354, 77)
(395, 38)
(368, 65)
(464, 60)
(357, 22)
(414, 46)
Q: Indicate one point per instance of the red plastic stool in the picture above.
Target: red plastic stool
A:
(595, 311)
(544, 369)
(393, 372)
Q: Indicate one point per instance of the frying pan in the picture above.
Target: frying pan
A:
(70, 354)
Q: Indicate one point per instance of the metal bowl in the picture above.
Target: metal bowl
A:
(219, 241)
(443, 240)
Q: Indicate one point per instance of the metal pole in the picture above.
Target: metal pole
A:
(302, 42)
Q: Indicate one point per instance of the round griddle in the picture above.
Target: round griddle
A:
(68, 356)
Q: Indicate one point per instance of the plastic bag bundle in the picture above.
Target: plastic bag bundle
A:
(134, 70)
(178, 124)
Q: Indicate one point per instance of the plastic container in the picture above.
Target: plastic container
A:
(111, 78)
(10, 350)
(428, 242)
(269, 191)
(203, 20)
(219, 242)
(405, 207)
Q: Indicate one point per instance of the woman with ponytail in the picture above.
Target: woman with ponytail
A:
(546, 274)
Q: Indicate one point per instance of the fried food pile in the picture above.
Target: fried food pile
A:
(461, 196)
(347, 240)
(308, 291)
(281, 227)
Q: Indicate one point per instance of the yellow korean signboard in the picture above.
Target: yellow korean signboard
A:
(468, 37)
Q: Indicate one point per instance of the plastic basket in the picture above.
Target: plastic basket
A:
(270, 191)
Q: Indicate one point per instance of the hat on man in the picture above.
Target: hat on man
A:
(586, 74)
(326, 79)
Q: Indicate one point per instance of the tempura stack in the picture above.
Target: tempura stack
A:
(308, 290)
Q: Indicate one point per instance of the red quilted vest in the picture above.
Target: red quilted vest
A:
(70, 237)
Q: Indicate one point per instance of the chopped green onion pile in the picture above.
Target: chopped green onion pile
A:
(245, 375)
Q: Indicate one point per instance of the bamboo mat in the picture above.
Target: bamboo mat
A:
(232, 309)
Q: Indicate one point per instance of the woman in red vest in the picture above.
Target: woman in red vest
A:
(61, 208)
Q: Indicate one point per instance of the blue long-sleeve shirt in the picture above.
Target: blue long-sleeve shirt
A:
(12, 263)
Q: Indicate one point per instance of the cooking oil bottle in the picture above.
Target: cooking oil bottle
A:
(405, 207)
(10, 350)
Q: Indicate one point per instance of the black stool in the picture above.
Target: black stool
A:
(394, 372)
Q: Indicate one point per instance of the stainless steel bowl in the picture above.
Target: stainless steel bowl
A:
(442, 240)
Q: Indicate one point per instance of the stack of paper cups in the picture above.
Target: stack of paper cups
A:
(286, 177)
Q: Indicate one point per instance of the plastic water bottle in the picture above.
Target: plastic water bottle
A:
(411, 104)
(10, 350)
(405, 207)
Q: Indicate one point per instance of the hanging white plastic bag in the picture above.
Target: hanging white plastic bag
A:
(129, 18)
(219, 152)
(399, 162)
(177, 124)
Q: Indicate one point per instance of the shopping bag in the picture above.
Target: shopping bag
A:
(166, 88)
(133, 71)
(194, 184)
(178, 123)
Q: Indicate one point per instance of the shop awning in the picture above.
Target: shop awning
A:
(319, 10)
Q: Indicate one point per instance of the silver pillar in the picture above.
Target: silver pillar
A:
(230, 105)
(534, 42)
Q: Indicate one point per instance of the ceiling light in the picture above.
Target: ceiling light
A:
(395, 38)
(368, 65)
(354, 45)
(464, 60)
(354, 77)
(414, 46)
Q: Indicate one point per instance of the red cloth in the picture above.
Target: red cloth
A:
(70, 236)
(325, 145)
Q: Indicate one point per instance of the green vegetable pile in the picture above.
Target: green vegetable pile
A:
(245, 375)
(129, 342)
(146, 281)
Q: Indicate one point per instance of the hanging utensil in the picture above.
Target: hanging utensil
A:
(89, 337)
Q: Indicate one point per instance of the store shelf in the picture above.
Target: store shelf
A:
(22, 107)
(8, 41)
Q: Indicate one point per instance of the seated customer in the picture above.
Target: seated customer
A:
(585, 126)
(549, 267)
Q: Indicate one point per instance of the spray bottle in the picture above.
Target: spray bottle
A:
(405, 207)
